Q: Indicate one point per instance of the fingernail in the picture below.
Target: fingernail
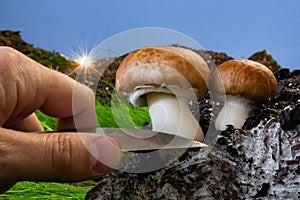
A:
(106, 155)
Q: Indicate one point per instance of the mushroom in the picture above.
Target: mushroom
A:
(240, 85)
(165, 79)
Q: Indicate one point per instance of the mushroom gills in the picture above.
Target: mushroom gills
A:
(234, 112)
(172, 115)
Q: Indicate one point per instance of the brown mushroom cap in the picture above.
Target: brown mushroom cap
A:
(244, 78)
(156, 68)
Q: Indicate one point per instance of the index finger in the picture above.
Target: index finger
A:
(28, 85)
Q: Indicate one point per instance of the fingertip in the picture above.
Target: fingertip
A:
(106, 155)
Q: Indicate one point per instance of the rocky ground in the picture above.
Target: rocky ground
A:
(259, 161)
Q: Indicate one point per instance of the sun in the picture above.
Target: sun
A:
(85, 61)
(86, 68)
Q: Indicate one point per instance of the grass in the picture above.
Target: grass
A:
(115, 113)
(48, 123)
(110, 113)
(46, 190)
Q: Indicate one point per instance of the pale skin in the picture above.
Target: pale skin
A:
(26, 86)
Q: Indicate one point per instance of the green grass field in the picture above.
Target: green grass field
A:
(43, 190)
(114, 114)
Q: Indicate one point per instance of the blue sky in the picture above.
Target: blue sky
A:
(237, 27)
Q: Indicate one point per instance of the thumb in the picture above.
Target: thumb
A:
(62, 157)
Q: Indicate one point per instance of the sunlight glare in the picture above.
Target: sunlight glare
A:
(85, 61)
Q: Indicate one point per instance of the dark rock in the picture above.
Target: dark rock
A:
(108, 77)
(263, 192)
(282, 74)
(202, 110)
(218, 57)
(296, 72)
(213, 59)
(147, 126)
(290, 117)
(266, 59)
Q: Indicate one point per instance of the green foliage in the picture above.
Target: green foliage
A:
(50, 59)
(48, 123)
(32, 190)
(47, 58)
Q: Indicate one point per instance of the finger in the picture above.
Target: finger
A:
(83, 114)
(71, 103)
(28, 124)
(59, 157)
(34, 86)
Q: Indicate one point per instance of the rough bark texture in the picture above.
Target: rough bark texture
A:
(259, 161)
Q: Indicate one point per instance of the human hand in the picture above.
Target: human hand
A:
(26, 86)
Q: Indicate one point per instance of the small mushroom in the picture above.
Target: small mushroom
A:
(165, 79)
(240, 85)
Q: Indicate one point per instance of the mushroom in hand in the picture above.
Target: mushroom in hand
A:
(165, 79)
(240, 84)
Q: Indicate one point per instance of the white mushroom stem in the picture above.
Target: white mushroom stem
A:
(171, 115)
(235, 112)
